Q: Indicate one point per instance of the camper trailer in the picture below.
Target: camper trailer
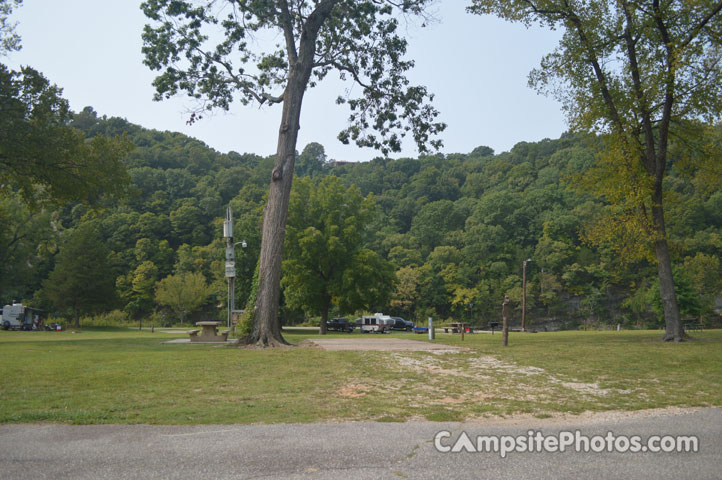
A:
(19, 317)
(376, 323)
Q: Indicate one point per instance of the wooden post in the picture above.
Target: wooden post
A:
(505, 320)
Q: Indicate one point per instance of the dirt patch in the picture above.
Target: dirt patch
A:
(484, 373)
(353, 390)
(382, 344)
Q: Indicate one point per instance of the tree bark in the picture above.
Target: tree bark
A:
(672, 318)
(267, 328)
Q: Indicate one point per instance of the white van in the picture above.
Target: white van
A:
(378, 322)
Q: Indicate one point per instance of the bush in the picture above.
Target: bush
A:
(116, 318)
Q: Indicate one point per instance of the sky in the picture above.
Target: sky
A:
(475, 66)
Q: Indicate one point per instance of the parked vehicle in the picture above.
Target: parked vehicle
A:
(376, 323)
(401, 324)
(340, 325)
(19, 317)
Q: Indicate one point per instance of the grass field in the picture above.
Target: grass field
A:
(127, 377)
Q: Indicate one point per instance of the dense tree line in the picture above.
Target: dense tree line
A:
(454, 228)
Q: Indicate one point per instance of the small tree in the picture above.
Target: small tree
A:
(183, 293)
(406, 295)
(325, 260)
(81, 281)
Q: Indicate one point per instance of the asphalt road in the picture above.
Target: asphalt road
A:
(351, 451)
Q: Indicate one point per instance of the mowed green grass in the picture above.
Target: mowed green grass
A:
(127, 377)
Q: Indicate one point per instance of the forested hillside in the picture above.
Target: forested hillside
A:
(456, 229)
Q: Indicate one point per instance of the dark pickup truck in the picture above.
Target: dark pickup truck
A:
(401, 324)
(340, 325)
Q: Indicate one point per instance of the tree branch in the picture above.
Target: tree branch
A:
(286, 24)
(696, 30)
(638, 91)
(661, 159)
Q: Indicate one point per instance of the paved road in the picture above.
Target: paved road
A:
(347, 450)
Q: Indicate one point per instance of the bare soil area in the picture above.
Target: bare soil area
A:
(382, 344)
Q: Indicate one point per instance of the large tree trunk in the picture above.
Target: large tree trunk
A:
(267, 328)
(672, 319)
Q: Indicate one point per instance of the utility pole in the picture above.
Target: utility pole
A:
(230, 262)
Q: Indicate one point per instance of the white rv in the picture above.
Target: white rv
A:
(378, 322)
(19, 317)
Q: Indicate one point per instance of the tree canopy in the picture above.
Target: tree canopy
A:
(41, 156)
(9, 39)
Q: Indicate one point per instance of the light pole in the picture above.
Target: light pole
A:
(523, 294)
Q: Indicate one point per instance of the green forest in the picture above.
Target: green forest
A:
(453, 230)
(617, 222)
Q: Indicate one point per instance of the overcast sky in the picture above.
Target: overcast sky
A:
(476, 66)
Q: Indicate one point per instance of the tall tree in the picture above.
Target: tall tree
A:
(639, 72)
(81, 281)
(325, 260)
(358, 38)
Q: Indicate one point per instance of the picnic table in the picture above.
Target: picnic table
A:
(458, 327)
(209, 334)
